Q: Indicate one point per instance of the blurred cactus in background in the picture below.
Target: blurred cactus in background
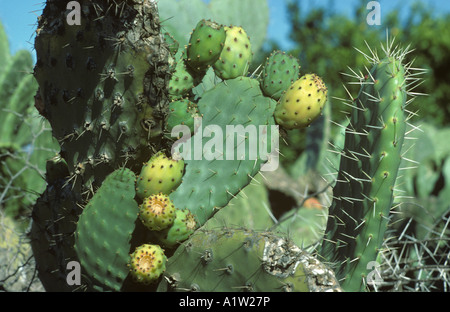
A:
(25, 144)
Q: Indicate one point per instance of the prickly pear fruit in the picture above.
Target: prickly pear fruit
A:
(147, 263)
(280, 72)
(181, 112)
(236, 55)
(205, 45)
(159, 175)
(302, 103)
(183, 226)
(157, 212)
(182, 80)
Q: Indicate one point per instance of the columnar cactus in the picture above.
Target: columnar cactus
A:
(370, 160)
(25, 140)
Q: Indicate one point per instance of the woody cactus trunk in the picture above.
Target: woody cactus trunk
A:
(103, 88)
(103, 84)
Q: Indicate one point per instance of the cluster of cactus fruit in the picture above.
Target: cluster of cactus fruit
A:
(127, 89)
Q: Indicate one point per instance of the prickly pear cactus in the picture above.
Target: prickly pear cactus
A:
(215, 176)
(232, 260)
(104, 231)
(108, 110)
(113, 113)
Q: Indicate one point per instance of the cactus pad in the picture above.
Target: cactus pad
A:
(227, 260)
(107, 111)
(214, 176)
(103, 234)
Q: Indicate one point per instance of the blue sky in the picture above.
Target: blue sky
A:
(19, 17)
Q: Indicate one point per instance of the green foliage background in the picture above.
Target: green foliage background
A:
(325, 43)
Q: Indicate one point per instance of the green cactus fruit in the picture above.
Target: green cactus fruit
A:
(230, 260)
(280, 72)
(104, 231)
(172, 43)
(205, 45)
(236, 56)
(147, 263)
(182, 80)
(183, 226)
(181, 112)
(302, 103)
(157, 212)
(160, 174)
